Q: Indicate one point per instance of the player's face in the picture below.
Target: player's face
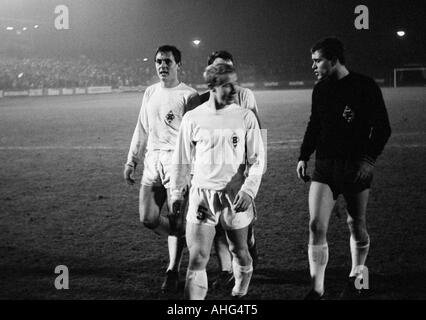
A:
(220, 60)
(321, 66)
(166, 66)
(225, 93)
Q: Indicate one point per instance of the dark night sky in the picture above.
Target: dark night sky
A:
(251, 29)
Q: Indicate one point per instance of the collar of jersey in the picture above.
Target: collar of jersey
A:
(173, 88)
(210, 105)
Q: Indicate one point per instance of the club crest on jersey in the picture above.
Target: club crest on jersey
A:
(348, 114)
(170, 117)
(235, 140)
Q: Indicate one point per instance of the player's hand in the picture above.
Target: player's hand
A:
(301, 171)
(364, 171)
(129, 172)
(242, 202)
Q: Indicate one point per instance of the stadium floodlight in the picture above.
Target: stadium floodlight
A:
(400, 33)
(196, 42)
(9, 28)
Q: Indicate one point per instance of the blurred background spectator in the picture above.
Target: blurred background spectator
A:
(66, 72)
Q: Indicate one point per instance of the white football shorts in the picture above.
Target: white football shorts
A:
(211, 207)
(157, 165)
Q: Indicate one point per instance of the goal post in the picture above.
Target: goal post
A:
(409, 76)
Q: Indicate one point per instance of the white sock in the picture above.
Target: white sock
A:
(318, 258)
(359, 252)
(196, 285)
(242, 275)
(175, 246)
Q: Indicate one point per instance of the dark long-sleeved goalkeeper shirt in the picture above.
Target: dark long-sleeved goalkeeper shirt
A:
(328, 131)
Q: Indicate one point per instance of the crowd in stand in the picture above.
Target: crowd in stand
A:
(39, 73)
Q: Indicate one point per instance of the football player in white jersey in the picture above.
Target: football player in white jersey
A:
(153, 142)
(218, 140)
(245, 98)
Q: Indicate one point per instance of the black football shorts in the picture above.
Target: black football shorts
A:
(339, 175)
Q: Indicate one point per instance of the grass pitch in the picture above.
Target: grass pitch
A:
(63, 201)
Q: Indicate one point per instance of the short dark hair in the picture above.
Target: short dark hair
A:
(168, 48)
(225, 55)
(330, 48)
(214, 75)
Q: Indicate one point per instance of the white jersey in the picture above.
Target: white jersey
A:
(245, 98)
(223, 141)
(159, 119)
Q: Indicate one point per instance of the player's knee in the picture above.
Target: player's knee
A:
(362, 241)
(240, 251)
(198, 258)
(317, 227)
(360, 236)
(150, 222)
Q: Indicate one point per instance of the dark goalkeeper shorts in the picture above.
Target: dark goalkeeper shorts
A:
(339, 175)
